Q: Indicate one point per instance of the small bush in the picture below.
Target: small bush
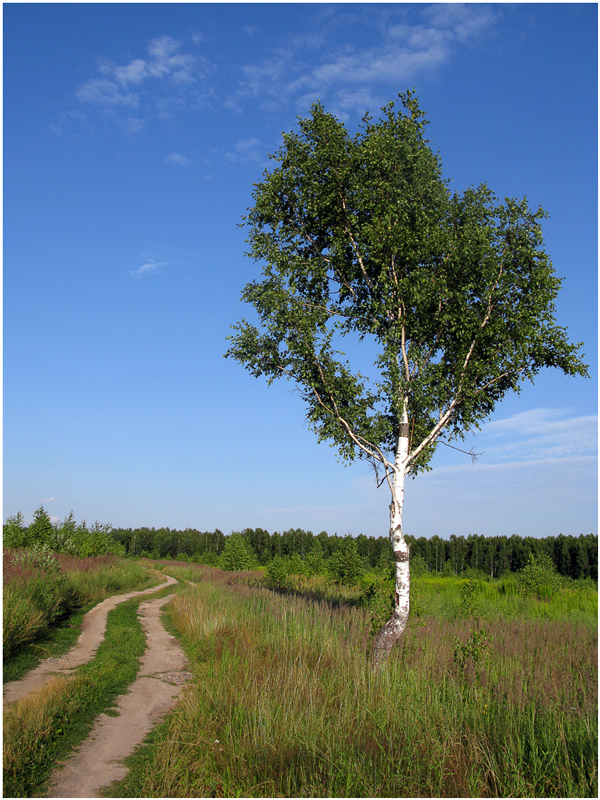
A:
(468, 598)
(539, 577)
(346, 566)
(236, 554)
(278, 573)
(378, 599)
(418, 566)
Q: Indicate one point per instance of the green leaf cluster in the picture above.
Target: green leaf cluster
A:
(345, 566)
(539, 577)
(360, 238)
(61, 537)
(237, 554)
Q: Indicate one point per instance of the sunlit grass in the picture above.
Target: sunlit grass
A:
(284, 703)
(43, 727)
(36, 596)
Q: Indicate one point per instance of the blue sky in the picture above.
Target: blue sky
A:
(133, 134)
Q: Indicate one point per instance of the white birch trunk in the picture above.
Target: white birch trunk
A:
(394, 627)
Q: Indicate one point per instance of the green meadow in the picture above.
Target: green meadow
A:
(492, 692)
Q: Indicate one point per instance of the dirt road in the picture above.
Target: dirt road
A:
(98, 761)
(92, 634)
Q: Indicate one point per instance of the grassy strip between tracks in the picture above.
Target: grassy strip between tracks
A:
(41, 729)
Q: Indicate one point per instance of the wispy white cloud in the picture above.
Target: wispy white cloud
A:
(198, 37)
(165, 61)
(131, 125)
(245, 150)
(536, 498)
(541, 434)
(48, 499)
(537, 476)
(324, 62)
(177, 160)
(149, 267)
(104, 92)
(164, 82)
(347, 76)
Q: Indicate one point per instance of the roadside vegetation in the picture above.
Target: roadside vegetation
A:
(492, 692)
(45, 596)
(41, 593)
(41, 729)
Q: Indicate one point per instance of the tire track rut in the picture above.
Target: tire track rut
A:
(91, 637)
(97, 762)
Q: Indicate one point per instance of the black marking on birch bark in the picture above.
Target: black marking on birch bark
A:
(403, 430)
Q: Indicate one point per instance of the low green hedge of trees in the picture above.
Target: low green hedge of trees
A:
(494, 556)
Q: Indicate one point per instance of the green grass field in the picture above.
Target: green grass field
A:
(491, 692)
(492, 697)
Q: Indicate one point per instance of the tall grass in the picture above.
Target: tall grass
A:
(284, 703)
(41, 728)
(435, 596)
(40, 588)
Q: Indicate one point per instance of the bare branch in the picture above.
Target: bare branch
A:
(435, 431)
(474, 456)
(499, 377)
(359, 258)
(323, 308)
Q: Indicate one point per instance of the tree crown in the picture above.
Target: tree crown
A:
(360, 237)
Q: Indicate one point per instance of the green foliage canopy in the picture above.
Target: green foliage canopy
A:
(346, 566)
(360, 237)
(237, 554)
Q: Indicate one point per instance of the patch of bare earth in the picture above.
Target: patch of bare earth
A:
(98, 761)
(92, 634)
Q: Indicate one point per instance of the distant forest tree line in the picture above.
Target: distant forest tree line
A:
(573, 556)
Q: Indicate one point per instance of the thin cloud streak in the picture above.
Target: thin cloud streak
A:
(148, 268)
(178, 160)
(346, 77)
(540, 435)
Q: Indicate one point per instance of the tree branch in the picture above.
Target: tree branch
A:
(370, 450)
(474, 456)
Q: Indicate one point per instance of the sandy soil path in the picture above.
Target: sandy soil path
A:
(92, 634)
(98, 761)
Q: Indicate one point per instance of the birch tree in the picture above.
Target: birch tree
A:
(360, 238)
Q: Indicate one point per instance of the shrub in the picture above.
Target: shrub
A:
(345, 566)
(539, 577)
(278, 573)
(315, 560)
(236, 555)
(14, 531)
(418, 566)
(378, 598)
(468, 598)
